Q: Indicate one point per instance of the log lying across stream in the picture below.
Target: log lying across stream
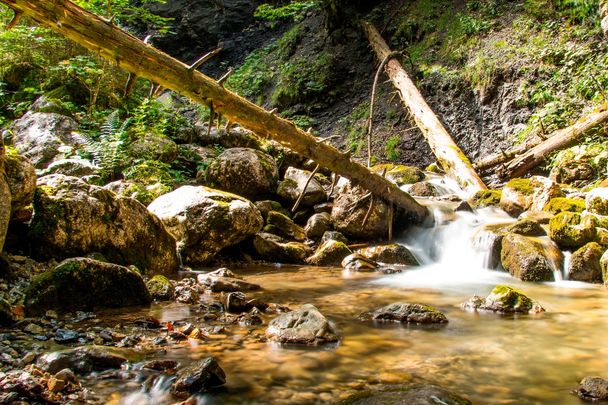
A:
(559, 139)
(132, 54)
(449, 155)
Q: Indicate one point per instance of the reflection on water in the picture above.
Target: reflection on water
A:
(488, 358)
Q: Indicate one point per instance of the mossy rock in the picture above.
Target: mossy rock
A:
(399, 174)
(265, 206)
(526, 227)
(390, 254)
(506, 300)
(525, 258)
(532, 194)
(485, 198)
(562, 204)
(596, 201)
(585, 263)
(409, 313)
(160, 288)
(82, 284)
(523, 186)
(329, 253)
(423, 189)
(284, 226)
(275, 249)
(572, 230)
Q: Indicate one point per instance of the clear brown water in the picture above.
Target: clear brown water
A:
(488, 358)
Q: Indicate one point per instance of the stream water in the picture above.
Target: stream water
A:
(490, 359)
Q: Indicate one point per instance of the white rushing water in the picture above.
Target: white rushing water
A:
(455, 253)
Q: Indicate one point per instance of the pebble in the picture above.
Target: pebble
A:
(65, 336)
(34, 329)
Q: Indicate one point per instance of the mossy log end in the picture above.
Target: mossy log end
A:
(449, 155)
(558, 140)
(128, 52)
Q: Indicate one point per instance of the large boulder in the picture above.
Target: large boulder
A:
(572, 230)
(204, 220)
(73, 218)
(529, 259)
(532, 194)
(247, 172)
(21, 178)
(351, 207)
(44, 137)
(304, 326)
(506, 300)
(562, 204)
(390, 254)
(82, 284)
(585, 263)
(293, 184)
(485, 198)
(273, 248)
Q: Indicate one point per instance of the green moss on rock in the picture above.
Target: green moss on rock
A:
(82, 284)
(562, 204)
(523, 186)
(160, 288)
(571, 230)
(485, 198)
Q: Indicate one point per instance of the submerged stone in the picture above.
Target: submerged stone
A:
(81, 360)
(506, 300)
(419, 394)
(304, 326)
(409, 313)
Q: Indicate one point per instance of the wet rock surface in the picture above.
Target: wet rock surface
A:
(292, 186)
(390, 254)
(305, 326)
(506, 300)
(593, 389)
(204, 220)
(329, 253)
(224, 280)
(407, 313)
(528, 259)
(84, 284)
(73, 218)
(421, 394)
(81, 360)
(202, 376)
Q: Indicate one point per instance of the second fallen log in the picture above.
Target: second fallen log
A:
(449, 155)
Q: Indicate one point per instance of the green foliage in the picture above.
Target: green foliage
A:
(128, 13)
(391, 148)
(258, 73)
(356, 127)
(108, 148)
(153, 116)
(294, 10)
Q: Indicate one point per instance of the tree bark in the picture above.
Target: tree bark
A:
(604, 16)
(5, 197)
(140, 59)
(558, 140)
(507, 155)
(448, 154)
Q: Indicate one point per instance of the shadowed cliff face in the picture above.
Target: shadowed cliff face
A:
(200, 26)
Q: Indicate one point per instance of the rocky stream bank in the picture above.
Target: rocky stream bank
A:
(79, 250)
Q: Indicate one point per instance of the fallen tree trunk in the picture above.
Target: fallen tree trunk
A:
(448, 154)
(509, 154)
(140, 59)
(558, 140)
